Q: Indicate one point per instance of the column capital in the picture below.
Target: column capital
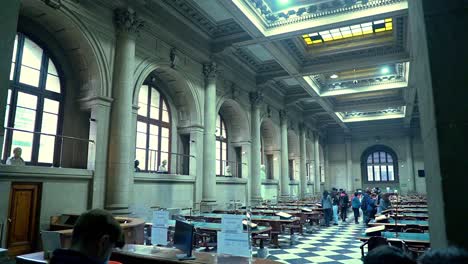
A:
(210, 70)
(127, 21)
(256, 98)
(283, 115)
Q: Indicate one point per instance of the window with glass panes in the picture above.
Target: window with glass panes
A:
(34, 105)
(380, 166)
(153, 139)
(221, 146)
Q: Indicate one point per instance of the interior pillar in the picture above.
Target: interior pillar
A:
(439, 74)
(9, 14)
(303, 166)
(119, 164)
(209, 138)
(409, 162)
(284, 155)
(317, 163)
(256, 99)
(349, 165)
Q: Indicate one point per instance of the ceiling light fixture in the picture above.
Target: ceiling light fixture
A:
(385, 70)
(334, 76)
(283, 2)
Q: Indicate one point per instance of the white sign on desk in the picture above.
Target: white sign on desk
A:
(232, 223)
(159, 229)
(235, 244)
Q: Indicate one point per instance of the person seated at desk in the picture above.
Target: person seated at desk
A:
(95, 234)
(16, 159)
(163, 167)
(387, 255)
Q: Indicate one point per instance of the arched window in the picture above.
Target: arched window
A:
(153, 138)
(379, 164)
(34, 105)
(221, 146)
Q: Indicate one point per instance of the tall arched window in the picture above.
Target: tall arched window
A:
(221, 146)
(34, 104)
(153, 138)
(379, 164)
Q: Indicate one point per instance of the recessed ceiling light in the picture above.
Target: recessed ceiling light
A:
(385, 70)
(334, 76)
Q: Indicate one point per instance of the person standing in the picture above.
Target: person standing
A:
(371, 207)
(327, 207)
(335, 202)
(355, 203)
(344, 204)
(364, 202)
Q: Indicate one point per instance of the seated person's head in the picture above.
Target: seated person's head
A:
(387, 255)
(17, 152)
(96, 233)
(450, 255)
(356, 194)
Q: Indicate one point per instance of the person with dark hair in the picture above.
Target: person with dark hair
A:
(355, 203)
(327, 207)
(95, 234)
(344, 205)
(364, 202)
(452, 255)
(387, 255)
(384, 202)
(371, 207)
(136, 166)
(335, 197)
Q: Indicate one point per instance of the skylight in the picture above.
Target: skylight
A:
(348, 31)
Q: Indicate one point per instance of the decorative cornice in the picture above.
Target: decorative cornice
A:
(194, 15)
(210, 70)
(283, 114)
(254, 64)
(127, 21)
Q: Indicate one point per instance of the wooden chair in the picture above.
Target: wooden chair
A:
(372, 243)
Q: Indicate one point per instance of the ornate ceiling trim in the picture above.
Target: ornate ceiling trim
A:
(273, 23)
(255, 64)
(193, 14)
(389, 113)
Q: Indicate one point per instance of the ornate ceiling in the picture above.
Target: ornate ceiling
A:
(356, 70)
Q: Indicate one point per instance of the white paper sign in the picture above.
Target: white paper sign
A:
(235, 244)
(160, 219)
(159, 236)
(232, 223)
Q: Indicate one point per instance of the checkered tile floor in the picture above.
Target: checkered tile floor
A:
(334, 244)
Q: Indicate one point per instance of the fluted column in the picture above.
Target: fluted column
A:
(209, 137)
(256, 99)
(284, 155)
(303, 166)
(120, 155)
(409, 162)
(317, 163)
(9, 16)
(349, 165)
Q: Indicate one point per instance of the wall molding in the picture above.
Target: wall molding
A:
(37, 172)
(143, 177)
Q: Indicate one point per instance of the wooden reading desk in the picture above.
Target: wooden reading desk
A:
(140, 254)
(409, 238)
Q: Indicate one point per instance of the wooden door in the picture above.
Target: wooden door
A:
(23, 217)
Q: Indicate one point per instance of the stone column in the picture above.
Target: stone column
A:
(439, 75)
(284, 155)
(409, 162)
(303, 165)
(317, 163)
(9, 16)
(209, 138)
(120, 155)
(97, 152)
(349, 165)
(256, 99)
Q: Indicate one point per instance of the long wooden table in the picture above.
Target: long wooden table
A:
(254, 218)
(216, 226)
(406, 210)
(401, 223)
(418, 216)
(409, 238)
(140, 254)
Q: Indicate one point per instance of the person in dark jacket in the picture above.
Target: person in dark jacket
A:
(327, 207)
(95, 234)
(364, 201)
(355, 203)
(344, 205)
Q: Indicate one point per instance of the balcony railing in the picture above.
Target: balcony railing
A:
(67, 151)
(236, 168)
(177, 163)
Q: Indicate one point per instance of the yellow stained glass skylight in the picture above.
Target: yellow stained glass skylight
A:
(348, 31)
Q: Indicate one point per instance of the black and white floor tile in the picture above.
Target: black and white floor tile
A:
(334, 244)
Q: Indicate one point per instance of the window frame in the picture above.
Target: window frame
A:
(41, 93)
(378, 149)
(148, 121)
(222, 139)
